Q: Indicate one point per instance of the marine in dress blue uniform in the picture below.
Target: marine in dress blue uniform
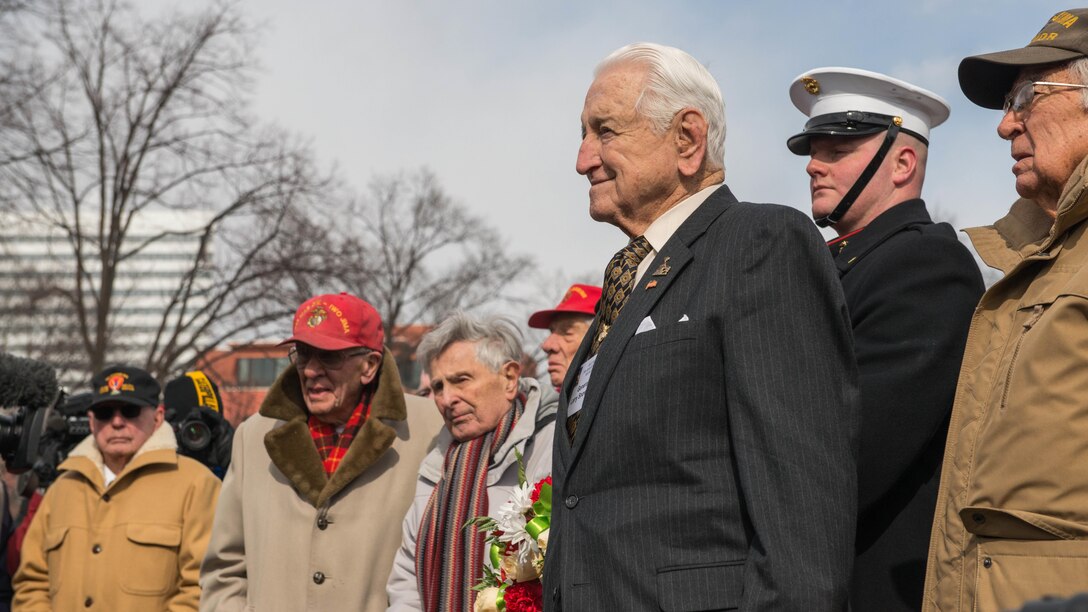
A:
(910, 288)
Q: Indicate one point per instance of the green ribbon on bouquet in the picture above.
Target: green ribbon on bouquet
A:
(542, 509)
(538, 526)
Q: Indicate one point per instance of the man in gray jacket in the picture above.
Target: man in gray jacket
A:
(491, 413)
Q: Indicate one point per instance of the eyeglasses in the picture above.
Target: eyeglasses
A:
(105, 413)
(1023, 95)
(301, 354)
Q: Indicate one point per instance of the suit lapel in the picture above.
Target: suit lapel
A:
(639, 305)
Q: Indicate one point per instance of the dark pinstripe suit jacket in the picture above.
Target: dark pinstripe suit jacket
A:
(714, 463)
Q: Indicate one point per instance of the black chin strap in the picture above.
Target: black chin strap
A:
(863, 180)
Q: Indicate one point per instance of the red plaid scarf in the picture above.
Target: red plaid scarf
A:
(332, 447)
(449, 559)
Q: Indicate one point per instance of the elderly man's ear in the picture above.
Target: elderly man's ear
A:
(691, 130)
(510, 372)
(371, 362)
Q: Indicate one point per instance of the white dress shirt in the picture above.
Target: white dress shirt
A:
(666, 225)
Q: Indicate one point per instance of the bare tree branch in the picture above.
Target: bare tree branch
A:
(116, 123)
(417, 255)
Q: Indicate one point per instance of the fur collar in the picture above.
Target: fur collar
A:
(292, 450)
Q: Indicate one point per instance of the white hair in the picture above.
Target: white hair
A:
(1079, 69)
(675, 81)
(497, 340)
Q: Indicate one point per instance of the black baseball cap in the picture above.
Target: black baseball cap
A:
(120, 384)
(986, 79)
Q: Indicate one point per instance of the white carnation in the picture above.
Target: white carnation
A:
(510, 519)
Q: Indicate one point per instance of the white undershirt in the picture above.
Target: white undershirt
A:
(108, 474)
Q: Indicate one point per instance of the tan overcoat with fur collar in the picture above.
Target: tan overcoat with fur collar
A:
(286, 537)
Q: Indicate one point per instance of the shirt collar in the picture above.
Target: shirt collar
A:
(666, 225)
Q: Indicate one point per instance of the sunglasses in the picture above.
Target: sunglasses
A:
(301, 354)
(105, 413)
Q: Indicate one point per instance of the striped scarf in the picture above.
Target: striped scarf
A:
(449, 559)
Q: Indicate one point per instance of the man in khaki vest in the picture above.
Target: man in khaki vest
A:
(1011, 522)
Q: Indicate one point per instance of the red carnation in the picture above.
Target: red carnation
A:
(524, 597)
(535, 497)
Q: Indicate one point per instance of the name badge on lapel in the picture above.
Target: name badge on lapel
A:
(580, 385)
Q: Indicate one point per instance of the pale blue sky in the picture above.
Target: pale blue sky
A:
(488, 94)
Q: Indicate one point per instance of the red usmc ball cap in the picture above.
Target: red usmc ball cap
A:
(334, 322)
(579, 299)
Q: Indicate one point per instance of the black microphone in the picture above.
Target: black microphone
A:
(26, 382)
(30, 386)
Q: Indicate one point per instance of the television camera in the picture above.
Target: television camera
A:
(40, 423)
(195, 409)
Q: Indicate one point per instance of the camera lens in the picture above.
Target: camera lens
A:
(194, 435)
(11, 431)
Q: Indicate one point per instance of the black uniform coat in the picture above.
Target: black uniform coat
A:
(911, 288)
(713, 467)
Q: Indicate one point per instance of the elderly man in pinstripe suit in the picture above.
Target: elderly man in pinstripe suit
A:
(706, 458)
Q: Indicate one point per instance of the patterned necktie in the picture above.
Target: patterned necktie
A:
(619, 280)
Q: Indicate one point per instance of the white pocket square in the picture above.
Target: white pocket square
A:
(683, 318)
(646, 325)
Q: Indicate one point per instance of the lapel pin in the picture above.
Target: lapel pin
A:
(651, 285)
(663, 269)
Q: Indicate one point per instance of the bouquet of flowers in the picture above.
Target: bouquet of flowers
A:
(517, 539)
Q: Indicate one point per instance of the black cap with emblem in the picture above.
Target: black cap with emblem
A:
(121, 384)
(986, 79)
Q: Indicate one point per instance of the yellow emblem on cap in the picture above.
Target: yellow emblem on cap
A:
(897, 121)
(317, 316)
(115, 384)
(811, 85)
(1064, 18)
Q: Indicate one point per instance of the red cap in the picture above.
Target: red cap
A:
(579, 299)
(334, 322)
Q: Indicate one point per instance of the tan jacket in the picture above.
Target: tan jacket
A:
(135, 545)
(288, 538)
(1011, 523)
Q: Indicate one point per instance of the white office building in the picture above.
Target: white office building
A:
(38, 267)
